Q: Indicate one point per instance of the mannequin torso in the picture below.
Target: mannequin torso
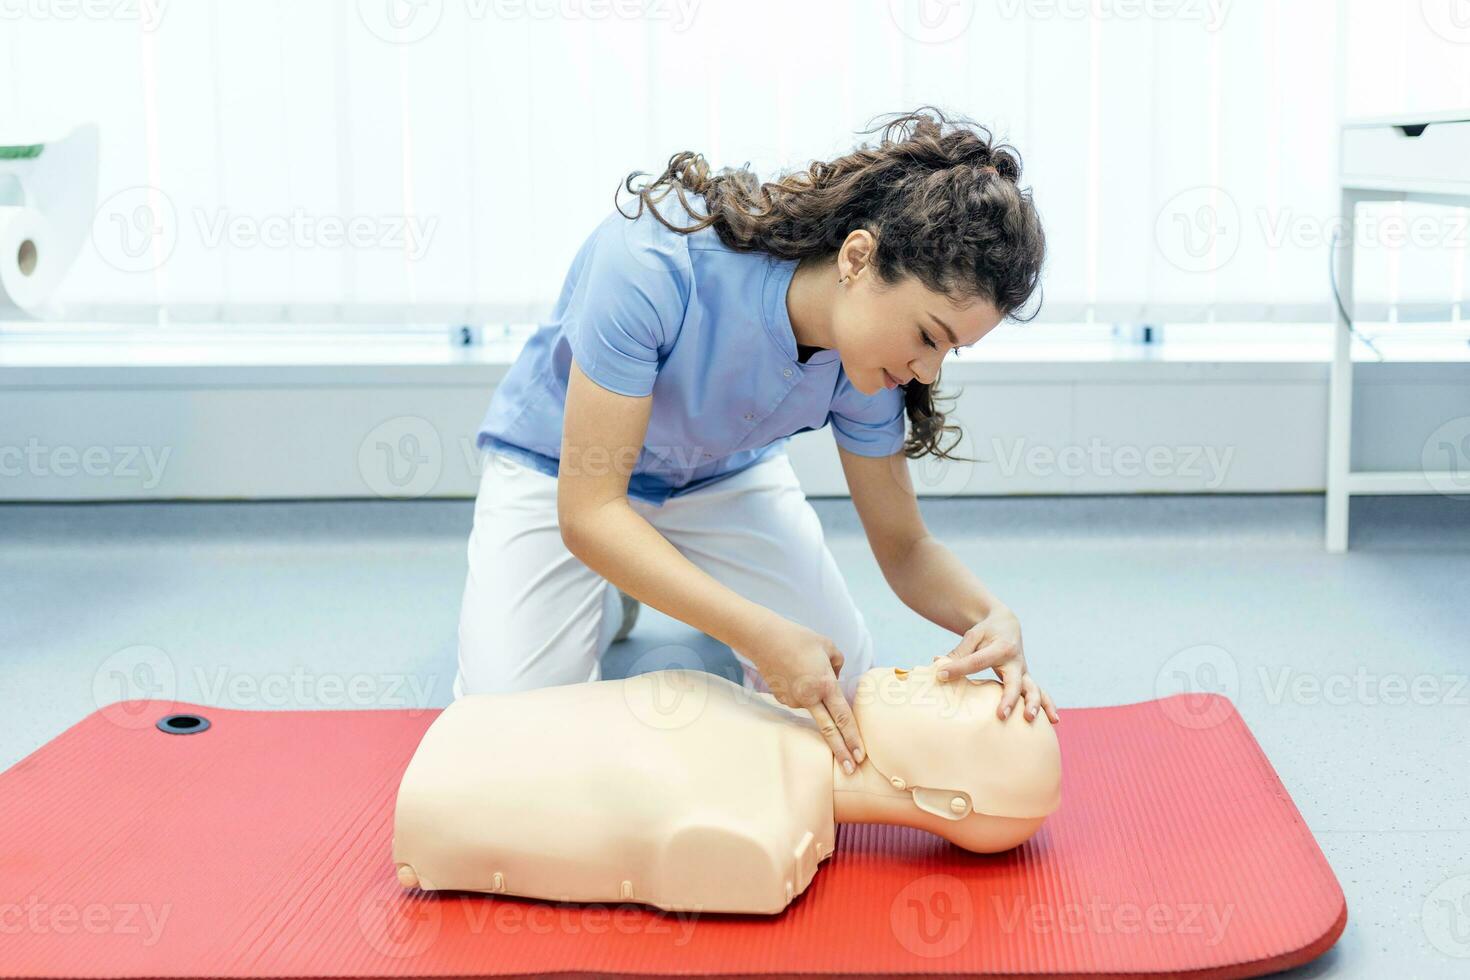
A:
(676, 788)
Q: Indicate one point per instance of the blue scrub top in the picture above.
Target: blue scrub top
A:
(702, 327)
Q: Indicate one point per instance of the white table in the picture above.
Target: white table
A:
(1384, 158)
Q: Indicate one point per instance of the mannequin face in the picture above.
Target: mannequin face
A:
(891, 336)
(943, 738)
(928, 712)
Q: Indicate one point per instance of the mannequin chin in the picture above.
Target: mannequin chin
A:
(684, 790)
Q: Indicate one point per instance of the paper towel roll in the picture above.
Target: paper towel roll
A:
(28, 270)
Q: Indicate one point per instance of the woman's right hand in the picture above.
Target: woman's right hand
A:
(800, 666)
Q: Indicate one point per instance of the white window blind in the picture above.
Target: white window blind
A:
(395, 163)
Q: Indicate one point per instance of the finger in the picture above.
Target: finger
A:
(1051, 710)
(1032, 693)
(842, 714)
(833, 735)
(987, 655)
(836, 660)
(954, 667)
(1011, 678)
(970, 642)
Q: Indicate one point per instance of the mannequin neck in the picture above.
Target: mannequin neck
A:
(868, 797)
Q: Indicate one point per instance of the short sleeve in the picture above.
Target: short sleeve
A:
(628, 303)
(869, 425)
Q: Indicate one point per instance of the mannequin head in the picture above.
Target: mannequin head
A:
(940, 759)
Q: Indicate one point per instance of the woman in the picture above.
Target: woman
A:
(637, 444)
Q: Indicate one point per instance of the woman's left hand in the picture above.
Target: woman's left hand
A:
(995, 642)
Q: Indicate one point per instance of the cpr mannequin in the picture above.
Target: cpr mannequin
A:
(683, 790)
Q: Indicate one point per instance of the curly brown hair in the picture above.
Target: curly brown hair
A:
(941, 199)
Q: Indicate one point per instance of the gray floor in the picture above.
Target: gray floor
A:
(354, 604)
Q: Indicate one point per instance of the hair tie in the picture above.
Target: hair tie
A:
(989, 169)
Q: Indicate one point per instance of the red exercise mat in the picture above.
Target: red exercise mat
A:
(260, 847)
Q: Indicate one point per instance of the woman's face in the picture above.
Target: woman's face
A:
(888, 337)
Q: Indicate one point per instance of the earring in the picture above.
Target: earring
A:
(842, 281)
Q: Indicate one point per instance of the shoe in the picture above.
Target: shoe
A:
(630, 616)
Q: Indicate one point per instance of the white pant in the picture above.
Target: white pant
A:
(534, 615)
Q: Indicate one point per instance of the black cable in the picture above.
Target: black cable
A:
(1337, 297)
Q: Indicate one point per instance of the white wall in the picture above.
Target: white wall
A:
(269, 432)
